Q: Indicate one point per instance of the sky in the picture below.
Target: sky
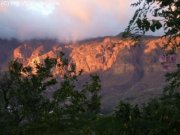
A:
(66, 20)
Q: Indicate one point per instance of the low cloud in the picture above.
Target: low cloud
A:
(63, 19)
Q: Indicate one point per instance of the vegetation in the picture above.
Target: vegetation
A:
(153, 15)
(26, 109)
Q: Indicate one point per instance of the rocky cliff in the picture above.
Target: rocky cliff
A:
(129, 71)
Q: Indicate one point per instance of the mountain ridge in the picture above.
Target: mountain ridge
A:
(128, 71)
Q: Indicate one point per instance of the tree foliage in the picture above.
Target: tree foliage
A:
(161, 116)
(153, 15)
(26, 108)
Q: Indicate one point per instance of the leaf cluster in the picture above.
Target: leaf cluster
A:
(27, 108)
(153, 15)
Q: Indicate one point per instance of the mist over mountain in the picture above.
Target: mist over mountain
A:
(64, 20)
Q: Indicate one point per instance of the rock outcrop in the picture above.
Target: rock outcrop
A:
(128, 71)
(101, 56)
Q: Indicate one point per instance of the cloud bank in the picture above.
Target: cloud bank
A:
(63, 19)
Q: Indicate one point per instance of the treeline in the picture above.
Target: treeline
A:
(27, 109)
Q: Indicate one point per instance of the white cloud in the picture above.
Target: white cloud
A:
(64, 19)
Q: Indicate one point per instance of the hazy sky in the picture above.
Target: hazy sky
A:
(63, 19)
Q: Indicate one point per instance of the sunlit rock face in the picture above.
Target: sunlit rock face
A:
(128, 71)
(96, 56)
(29, 54)
(99, 55)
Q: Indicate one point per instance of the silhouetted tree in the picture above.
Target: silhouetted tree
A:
(153, 15)
(25, 107)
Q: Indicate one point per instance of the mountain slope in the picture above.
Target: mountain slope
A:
(129, 72)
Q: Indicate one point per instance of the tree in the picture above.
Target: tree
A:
(153, 15)
(22, 92)
(161, 115)
(26, 108)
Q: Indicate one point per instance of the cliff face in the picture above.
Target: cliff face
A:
(128, 71)
(96, 56)
(93, 56)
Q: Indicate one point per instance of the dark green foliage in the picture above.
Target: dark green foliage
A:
(160, 116)
(153, 15)
(174, 82)
(22, 94)
(165, 14)
(26, 109)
